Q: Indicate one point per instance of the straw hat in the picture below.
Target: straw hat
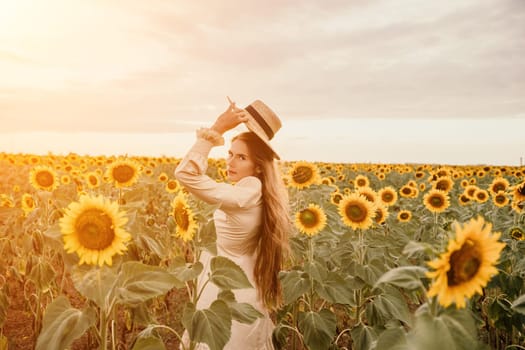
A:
(263, 122)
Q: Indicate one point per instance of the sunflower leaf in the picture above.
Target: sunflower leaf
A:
(139, 282)
(518, 305)
(62, 324)
(226, 274)
(295, 283)
(407, 277)
(318, 328)
(212, 326)
(241, 312)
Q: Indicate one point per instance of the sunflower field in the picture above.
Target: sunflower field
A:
(103, 253)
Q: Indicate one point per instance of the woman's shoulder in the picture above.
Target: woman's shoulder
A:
(249, 181)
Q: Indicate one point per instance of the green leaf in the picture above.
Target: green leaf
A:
(241, 312)
(388, 306)
(518, 305)
(42, 274)
(408, 277)
(413, 248)
(62, 324)
(185, 271)
(146, 340)
(95, 283)
(149, 343)
(317, 271)
(226, 274)
(318, 329)
(363, 337)
(392, 339)
(335, 289)
(138, 282)
(212, 326)
(294, 283)
(452, 329)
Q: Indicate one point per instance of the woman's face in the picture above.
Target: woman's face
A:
(240, 162)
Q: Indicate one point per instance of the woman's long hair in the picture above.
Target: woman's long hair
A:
(273, 239)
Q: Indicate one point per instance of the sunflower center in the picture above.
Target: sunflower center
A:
(436, 201)
(464, 264)
(355, 212)
(500, 199)
(123, 173)
(498, 187)
(44, 178)
(406, 190)
(29, 202)
(308, 218)
(521, 189)
(404, 216)
(95, 229)
(442, 185)
(517, 234)
(93, 180)
(361, 182)
(172, 185)
(387, 197)
(181, 218)
(302, 174)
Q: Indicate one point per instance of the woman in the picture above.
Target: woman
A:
(252, 220)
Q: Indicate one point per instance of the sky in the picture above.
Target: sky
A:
(416, 81)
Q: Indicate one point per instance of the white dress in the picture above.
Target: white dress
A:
(237, 223)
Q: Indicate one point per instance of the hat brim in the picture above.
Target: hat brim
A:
(254, 127)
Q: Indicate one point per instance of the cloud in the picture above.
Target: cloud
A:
(168, 60)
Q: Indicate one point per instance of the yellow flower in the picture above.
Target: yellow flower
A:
(362, 181)
(517, 234)
(368, 193)
(28, 203)
(467, 265)
(388, 195)
(404, 216)
(311, 220)
(436, 201)
(356, 211)
(124, 172)
(498, 184)
(172, 186)
(303, 174)
(443, 183)
(93, 228)
(184, 218)
(43, 178)
(381, 214)
(93, 179)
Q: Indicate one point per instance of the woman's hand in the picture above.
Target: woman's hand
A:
(230, 118)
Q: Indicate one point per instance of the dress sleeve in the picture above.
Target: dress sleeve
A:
(191, 173)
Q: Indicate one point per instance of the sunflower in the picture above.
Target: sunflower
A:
(184, 218)
(481, 196)
(464, 199)
(404, 216)
(172, 186)
(361, 181)
(163, 177)
(381, 214)
(310, 220)
(92, 179)
(335, 197)
(467, 265)
(303, 174)
(436, 201)
(43, 178)
(93, 227)
(28, 203)
(407, 191)
(517, 234)
(368, 193)
(517, 206)
(124, 172)
(443, 183)
(356, 211)
(498, 184)
(387, 195)
(518, 192)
